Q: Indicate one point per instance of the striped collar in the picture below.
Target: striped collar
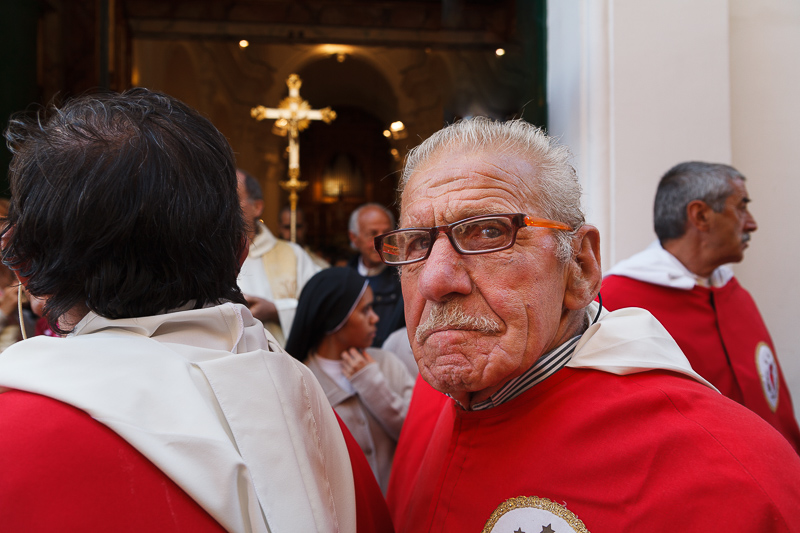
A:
(545, 366)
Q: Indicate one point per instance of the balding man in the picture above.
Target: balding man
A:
(561, 417)
(703, 222)
(366, 222)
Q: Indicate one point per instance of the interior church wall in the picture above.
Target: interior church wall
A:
(638, 86)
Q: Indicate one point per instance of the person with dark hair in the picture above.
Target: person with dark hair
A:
(168, 406)
(366, 222)
(702, 222)
(369, 388)
(536, 410)
(275, 271)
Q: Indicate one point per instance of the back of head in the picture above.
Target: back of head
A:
(123, 204)
(684, 183)
(556, 183)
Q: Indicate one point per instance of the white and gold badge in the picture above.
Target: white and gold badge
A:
(529, 514)
(768, 373)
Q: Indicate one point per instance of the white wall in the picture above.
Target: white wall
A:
(765, 118)
(636, 86)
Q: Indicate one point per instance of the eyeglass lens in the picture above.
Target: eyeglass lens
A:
(480, 235)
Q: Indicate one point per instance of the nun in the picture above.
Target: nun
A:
(369, 388)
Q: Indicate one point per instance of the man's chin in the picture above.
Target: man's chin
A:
(451, 378)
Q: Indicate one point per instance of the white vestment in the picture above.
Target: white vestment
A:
(276, 270)
(212, 400)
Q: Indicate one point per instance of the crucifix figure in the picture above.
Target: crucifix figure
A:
(292, 116)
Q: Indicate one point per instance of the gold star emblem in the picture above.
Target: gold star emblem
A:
(548, 529)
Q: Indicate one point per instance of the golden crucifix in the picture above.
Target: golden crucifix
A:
(292, 116)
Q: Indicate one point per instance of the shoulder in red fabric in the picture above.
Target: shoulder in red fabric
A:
(641, 452)
(63, 470)
(725, 339)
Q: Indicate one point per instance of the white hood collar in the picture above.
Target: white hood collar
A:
(628, 341)
(263, 242)
(211, 400)
(657, 266)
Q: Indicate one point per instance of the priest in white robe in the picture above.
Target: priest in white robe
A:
(275, 270)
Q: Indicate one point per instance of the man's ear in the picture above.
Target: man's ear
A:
(584, 273)
(698, 215)
(259, 207)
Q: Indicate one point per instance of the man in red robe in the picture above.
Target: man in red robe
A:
(558, 416)
(168, 407)
(703, 223)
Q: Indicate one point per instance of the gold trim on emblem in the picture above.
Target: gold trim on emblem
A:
(535, 502)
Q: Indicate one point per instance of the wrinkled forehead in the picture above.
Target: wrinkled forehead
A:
(456, 184)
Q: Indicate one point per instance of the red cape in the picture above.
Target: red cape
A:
(63, 470)
(725, 339)
(651, 451)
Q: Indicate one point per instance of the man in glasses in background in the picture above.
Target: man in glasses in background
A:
(702, 222)
(560, 416)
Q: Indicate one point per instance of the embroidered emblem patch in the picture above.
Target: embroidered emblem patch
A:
(768, 372)
(526, 514)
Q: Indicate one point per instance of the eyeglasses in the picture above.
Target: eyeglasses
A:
(471, 236)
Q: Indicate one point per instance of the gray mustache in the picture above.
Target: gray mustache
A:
(450, 315)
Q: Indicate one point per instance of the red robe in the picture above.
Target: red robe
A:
(725, 339)
(651, 451)
(63, 470)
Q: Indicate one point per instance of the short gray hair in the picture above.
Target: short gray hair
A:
(559, 192)
(353, 224)
(684, 183)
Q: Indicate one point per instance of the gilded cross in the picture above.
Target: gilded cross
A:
(292, 116)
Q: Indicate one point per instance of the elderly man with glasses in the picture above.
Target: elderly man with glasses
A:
(556, 415)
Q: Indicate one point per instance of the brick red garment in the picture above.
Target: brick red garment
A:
(721, 332)
(651, 451)
(64, 471)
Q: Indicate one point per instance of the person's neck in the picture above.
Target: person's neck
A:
(70, 319)
(330, 349)
(692, 255)
(252, 230)
(370, 269)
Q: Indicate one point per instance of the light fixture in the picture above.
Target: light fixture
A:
(500, 52)
(340, 57)
(397, 130)
(244, 43)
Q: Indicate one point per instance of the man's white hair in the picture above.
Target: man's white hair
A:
(555, 180)
(353, 224)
